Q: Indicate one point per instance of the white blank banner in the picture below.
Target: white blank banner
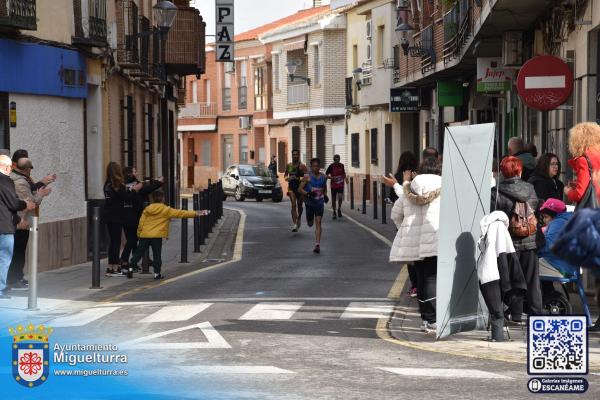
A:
(545, 82)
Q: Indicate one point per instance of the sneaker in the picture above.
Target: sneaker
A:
(432, 326)
(159, 276)
(317, 249)
(19, 286)
(129, 273)
(424, 325)
(25, 282)
(412, 292)
(294, 228)
(334, 215)
(339, 213)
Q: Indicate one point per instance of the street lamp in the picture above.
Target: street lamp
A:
(291, 67)
(164, 14)
(403, 28)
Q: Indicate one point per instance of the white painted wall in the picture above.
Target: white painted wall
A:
(51, 129)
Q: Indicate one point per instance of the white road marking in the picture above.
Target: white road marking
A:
(271, 311)
(545, 82)
(214, 340)
(235, 369)
(368, 310)
(176, 313)
(133, 303)
(82, 318)
(445, 373)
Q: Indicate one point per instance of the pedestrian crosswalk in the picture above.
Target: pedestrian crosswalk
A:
(163, 312)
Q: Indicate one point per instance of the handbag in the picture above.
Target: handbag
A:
(589, 199)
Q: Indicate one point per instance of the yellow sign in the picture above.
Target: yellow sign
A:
(13, 114)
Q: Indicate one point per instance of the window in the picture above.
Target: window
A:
(260, 89)
(4, 121)
(295, 138)
(355, 137)
(227, 91)
(317, 65)
(242, 86)
(374, 146)
(243, 148)
(380, 47)
(275, 71)
(206, 153)
(194, 92)
(207, 90)
(321, 143)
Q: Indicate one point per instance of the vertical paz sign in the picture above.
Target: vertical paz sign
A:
(225, 30)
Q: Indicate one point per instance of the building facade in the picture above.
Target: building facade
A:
(79, 87)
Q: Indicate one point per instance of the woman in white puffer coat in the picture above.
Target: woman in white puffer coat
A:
(416, 213)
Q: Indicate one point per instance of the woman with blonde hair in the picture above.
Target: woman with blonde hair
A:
(584, 146)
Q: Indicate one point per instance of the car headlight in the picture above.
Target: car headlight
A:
(246, 182)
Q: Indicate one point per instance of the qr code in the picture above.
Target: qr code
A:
(557, 345)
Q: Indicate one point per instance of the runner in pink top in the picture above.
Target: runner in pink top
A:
(337, 173)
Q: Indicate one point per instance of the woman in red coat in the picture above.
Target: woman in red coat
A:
(584, 141)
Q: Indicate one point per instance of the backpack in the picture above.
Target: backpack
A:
(522, 220)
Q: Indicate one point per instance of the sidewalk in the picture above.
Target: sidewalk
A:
(404, 326)
(69, 288)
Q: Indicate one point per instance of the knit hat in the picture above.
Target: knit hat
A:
(554, 206)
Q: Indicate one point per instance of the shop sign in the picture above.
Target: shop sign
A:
(491, 76)
(404, 100)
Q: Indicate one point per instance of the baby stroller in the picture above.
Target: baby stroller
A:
(554, 301)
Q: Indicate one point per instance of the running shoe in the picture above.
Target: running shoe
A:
(294, 228)
(317, 249)
(159, 276)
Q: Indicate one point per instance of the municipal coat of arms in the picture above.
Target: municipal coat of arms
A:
(30, 354)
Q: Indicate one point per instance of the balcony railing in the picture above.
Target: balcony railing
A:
(426, 49)
(298, 94)
(198, 110)
(90, 22)
(457, 29)
(242, 97)
(185, 43)
(226, 99)
(19, 14)
(128, 51)
(367, 74)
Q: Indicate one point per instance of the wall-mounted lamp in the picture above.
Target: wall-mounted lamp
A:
(291, 68)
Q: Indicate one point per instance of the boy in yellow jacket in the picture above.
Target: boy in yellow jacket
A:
(153, 227)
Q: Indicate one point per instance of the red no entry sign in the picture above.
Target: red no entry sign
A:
(545, 82)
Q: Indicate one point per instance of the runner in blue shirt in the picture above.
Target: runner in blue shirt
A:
(314, 188)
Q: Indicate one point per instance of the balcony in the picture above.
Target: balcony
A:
(90, 23)
(18, 14)
(128, 51)
(242, 97)
(367, 74)
(297, 94)
(457, 29)
(185, 43)
(198, 110)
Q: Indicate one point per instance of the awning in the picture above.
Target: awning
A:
(296, 45)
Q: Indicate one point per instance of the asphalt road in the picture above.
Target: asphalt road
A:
(289, 324)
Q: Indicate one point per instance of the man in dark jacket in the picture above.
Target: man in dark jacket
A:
(504, 196)
(9, 206)
(516, 147)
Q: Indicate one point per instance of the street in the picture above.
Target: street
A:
(286, 323)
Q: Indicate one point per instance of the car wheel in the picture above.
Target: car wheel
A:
(238, 194)
(278, 198)
(557, 304)
(259, 199)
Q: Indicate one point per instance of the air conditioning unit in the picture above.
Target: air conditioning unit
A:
(369, 29)
(245, 122)
(402, 4)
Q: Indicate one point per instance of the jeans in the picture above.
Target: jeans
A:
(144, 243)
(7, 243)
(426, 290)
(15, 272)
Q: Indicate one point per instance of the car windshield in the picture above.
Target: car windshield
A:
(253, 170)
